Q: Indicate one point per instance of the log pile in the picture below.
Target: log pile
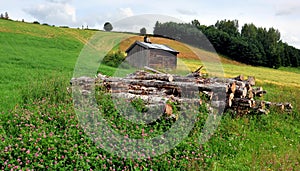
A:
(236, 95)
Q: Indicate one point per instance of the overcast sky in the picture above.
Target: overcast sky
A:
(280, 14)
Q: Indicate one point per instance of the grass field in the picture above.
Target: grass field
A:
(40, 130)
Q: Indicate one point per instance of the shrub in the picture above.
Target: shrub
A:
(114, 59)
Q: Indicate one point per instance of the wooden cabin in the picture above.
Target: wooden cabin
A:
(158, 56)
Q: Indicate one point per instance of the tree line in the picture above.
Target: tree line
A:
(4, 16)
(252, 45)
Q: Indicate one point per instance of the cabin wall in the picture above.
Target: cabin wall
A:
(162, 59)
(138, 57)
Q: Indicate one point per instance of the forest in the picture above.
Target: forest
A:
(251, 45)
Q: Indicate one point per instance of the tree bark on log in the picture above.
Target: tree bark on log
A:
(156, 89)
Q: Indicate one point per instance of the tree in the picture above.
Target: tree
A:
(108, 26)
(253, 45)
(1, 16)
(196, 23)
(229, 26)
(249, 31)
(143, 31)
(6, 16)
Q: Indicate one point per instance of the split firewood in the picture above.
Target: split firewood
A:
(260, 93)
(233, 94)
(168, 110)
(232, 87)
(162, 77)
(241, 92)
(242, 102)
(250, 94)
(196, 73)
(153, 70)
(230, 98)
(251, 80)
(239, 78)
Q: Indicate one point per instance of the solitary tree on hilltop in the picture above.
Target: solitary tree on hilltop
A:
(6, 15)
(143, 31)
(108, 26)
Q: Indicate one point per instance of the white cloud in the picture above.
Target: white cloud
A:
(287, 11)
(126, 12)
(59, 1)
(59, 13)
(287, 7)
(186, 12)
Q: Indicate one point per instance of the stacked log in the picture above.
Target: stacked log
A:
(230, 94)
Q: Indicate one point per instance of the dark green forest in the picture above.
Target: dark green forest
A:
(251, 45)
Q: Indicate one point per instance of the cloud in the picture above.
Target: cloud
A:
(287, 8)
(59, 1)
(126, 12)
(186, 12)
(285, 12)
(56, 11)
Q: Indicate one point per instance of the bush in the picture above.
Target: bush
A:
(36, 22)
(114, 59)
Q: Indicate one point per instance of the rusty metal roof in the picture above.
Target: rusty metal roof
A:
(153, 46)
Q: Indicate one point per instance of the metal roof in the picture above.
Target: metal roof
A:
(153, 46)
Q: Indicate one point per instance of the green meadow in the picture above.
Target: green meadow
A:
(39, 128)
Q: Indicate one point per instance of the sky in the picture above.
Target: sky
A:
(131, 15)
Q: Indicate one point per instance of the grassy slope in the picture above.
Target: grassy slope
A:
(32, 54)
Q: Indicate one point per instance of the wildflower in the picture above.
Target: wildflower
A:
(28, 151)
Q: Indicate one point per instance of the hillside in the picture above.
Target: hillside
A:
(40, 129)
(30, 53)
(36, 51)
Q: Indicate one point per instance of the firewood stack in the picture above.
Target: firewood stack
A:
(236, 95)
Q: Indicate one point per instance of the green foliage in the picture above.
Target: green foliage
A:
(254, 45)
(143, 31)
(139, 105)
(107, 26)
(183, 32)
(114, 58)
(230, 27)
